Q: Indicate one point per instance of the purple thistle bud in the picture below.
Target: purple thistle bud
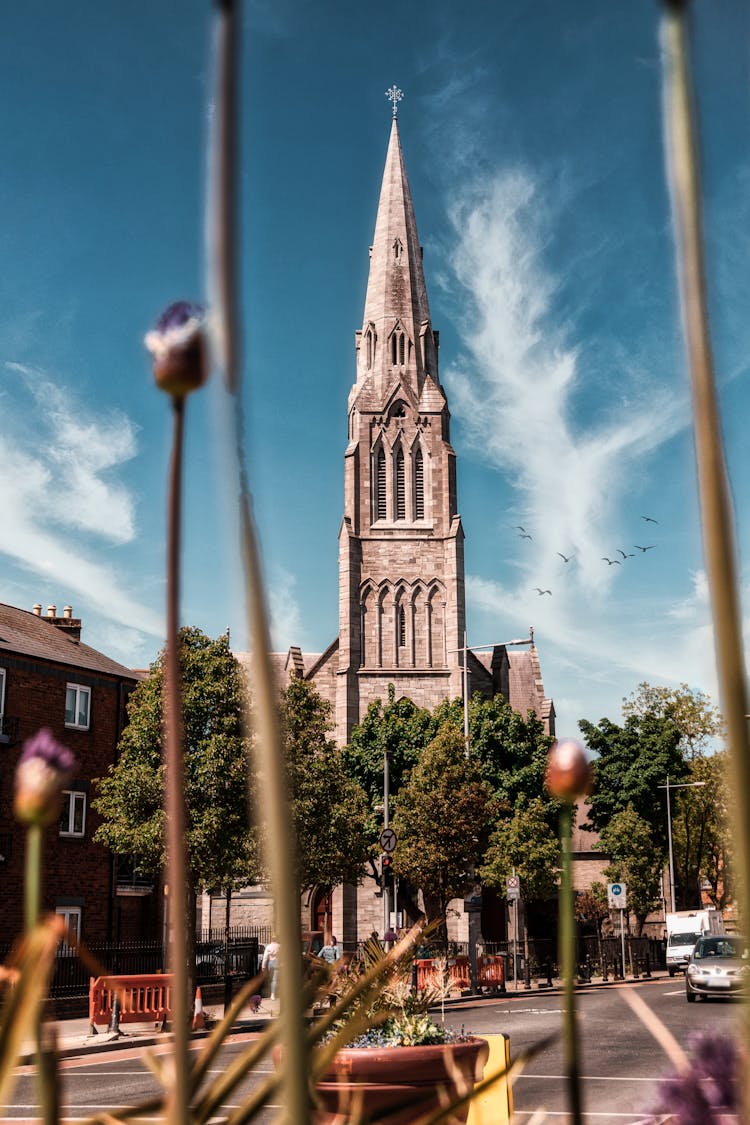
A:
(178, 344)
(710, 1090)
(43, 769)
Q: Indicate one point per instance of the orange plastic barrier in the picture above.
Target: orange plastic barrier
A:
(142, 998)
(490, 973)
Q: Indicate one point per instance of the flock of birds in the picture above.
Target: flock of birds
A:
(524, 534)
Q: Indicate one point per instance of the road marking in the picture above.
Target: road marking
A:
(677, 992)
(594, 1078)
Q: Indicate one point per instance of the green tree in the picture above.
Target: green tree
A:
(221, 846)
(692, 712)
(510, 750)
(636, 859)
(524, 841)
(632, 761)
(398, 727)
(701, 833)
(442, 818)
(329, 807)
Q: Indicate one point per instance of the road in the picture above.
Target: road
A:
(620, 1060)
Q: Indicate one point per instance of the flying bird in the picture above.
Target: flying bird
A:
(648, 519)
(645, 548)
(624, 555)
(612, 562)
(564, 558)
(542, 591)
(519, 528)
(525, 536)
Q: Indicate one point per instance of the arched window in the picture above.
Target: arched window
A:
(401, 627)
(400, 486)
(380, 505)
(418, 485)
(369, 348)
(401, 348)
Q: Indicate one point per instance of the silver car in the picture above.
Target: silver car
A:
(719, 966)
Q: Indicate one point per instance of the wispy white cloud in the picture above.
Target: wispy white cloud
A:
(286, 615)
(60, 498)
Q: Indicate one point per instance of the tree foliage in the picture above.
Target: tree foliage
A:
(636, 860)
(329, 807)
(692, 712)
(221, 845)
(524, 842)
(510, 750)
(398, 727)
(442, 817)
(701, 831)
(632, 761)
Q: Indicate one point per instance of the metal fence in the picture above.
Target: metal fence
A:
(217, 956)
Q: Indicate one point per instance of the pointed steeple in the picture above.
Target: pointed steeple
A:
(397, 338)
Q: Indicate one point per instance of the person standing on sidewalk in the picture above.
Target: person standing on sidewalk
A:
(330, 951)
(270, 962)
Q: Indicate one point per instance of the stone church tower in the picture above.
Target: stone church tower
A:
(401, 562)
(401, 543)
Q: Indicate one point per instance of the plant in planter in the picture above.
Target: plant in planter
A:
(383, 1057)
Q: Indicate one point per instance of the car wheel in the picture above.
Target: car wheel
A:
(671, 972)
(690, 996)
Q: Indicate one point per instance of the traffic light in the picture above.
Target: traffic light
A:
(386, 871)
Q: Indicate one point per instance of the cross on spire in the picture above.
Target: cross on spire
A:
(394, 96)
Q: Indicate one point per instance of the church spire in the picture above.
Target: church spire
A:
(397, 333)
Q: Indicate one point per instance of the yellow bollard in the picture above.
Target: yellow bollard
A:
(495, 1105)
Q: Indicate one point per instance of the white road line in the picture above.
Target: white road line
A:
(629, 1078)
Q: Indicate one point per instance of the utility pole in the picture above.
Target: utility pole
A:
(386, 824)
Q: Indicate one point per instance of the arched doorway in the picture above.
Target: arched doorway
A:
(321, 910)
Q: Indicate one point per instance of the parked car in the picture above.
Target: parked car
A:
(718, 966)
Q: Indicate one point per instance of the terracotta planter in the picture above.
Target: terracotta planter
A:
(400, 1081)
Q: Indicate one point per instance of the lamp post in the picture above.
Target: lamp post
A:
(465, 670)
(669, 786)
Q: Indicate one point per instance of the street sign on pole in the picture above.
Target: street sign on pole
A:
(388, 840)
(513, 887)
(617, 896)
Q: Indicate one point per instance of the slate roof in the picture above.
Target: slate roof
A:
(24, 634)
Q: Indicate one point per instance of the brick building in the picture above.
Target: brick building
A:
(50, 678)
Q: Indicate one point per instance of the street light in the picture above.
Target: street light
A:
(465, 677)
(668, 787)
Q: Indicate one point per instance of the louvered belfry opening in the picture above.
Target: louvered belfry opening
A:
(400, 486)
(380, 504)
(418, 485)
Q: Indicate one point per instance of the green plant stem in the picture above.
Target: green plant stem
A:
(568, 966)
(713, 485)
(175, 786)
(224, 288)
(33, 883)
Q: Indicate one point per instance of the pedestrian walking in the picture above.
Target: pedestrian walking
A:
(270, 962)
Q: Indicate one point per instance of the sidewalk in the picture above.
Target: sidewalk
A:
(74, 1039)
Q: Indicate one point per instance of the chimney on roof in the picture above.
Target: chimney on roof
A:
(37, 609)
(68, 624)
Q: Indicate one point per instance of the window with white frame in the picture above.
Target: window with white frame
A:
(73, 815)
(77, 706)
(72, 916)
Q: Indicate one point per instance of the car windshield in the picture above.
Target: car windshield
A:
(719, 947)
(683, 939)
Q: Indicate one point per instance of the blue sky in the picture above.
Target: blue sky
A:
(532, 137)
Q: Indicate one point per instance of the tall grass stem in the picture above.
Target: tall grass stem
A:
(568, 967)
(713, 485)
(223, 236)
(177, 872)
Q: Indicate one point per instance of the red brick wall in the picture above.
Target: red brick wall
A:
(76, 871)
